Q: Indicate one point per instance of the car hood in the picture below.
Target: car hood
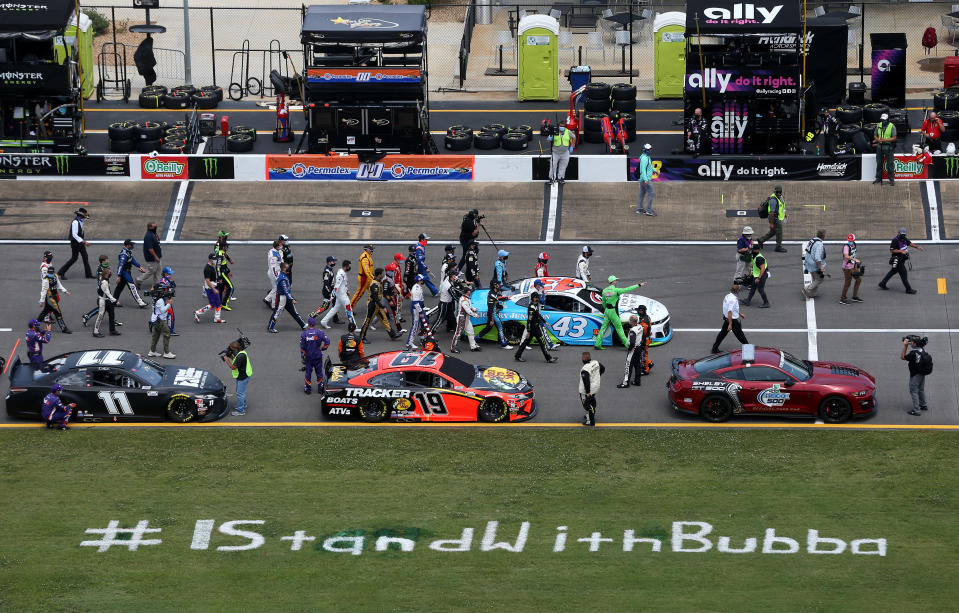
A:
(191, 378)
(840, 373)
(654, 308)
(496, 378)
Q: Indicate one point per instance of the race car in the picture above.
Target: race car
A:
(573, 311)
(117, 385)
(767, 381)
(422, 386)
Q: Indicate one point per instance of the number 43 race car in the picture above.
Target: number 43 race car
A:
(115, 385)
(421, 386)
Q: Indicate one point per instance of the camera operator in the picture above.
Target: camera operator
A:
(162, 309)
(852, 268)
(238, 360)
(469, 230)
(898, 256)
(563, 142)
(920, 365)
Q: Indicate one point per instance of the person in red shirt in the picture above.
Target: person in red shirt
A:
(932, 129)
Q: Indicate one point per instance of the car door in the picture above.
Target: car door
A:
(428, 395)
(769, 390)
(568, 319)
(76, 389)
(117, 393)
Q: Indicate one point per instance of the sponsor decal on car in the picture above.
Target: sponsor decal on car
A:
(189, 377)
(369, 392)
(501, 377)
(340, 411)
(773, 396)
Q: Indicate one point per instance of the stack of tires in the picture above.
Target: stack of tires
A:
(180, 97)
(517, 138)
(602, 100)
(241, 139)
(850, 122)
(147, 137)
(946, 99)
(950, 119)
(459, 138)
(489, 136)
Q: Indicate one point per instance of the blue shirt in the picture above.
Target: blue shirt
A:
(151, 241)
(312, 344)
(283, 286)
(817, 253)
(499, 271)
(36, 340)
(420, 253)
(743, 242)
(126, 259)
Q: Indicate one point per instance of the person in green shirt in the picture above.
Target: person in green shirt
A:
(611, 310)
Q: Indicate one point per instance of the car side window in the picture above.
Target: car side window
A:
(764, 373)
(523, 302)
(105, 377)
(389, 379)
(562, 303)
(441, 382)
(735, 374)
(77, 378)
(419, 378)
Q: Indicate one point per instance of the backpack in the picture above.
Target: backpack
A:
(929, 39)
(924, 367)
(764, 209)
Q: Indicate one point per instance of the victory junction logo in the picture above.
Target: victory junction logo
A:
(160, 167)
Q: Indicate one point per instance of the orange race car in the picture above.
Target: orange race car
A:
(420, 386)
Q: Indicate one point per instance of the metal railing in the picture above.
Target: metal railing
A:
(469, 22)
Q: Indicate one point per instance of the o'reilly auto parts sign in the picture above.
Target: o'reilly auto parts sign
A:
(786, 168)
(32, 164)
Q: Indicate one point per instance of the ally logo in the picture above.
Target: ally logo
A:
(63, 164)
(211, 167)
(161, 167)
(952, 166)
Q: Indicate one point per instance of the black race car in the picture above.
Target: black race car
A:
(117, 385)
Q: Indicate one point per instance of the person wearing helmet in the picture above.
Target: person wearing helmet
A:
(274, 257)
(611, 296)
(329, 276)
(36, 339)
(312, 344)
(222, 263)
(464, 312)
(105, 305)
(494, 304)
(365, 275)
(582, 264)
(644, 174)
(500, 273)
(469, 230)
(472, 272)
(535, 329)
(418, 322)
(125, 261)
(419, 253)
(341, 296)
(540, 269)
(103, 264)
(54, 412)
(743, 253)
(50, 299)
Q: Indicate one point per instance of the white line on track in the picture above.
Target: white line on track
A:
(933, 211)
(553, 206)
(835, 330)
(6, 329)
(178, 206)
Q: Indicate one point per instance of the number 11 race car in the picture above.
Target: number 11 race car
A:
(114, 385)
(421, 386)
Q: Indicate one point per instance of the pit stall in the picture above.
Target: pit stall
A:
(365, 79)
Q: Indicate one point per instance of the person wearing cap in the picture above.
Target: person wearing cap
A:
(472, 271)
(898, 256)
(644, 174)
(105, 305)
(760, 272)
(341, 296)
(54, 411)
(36, 339)
(743, 252)
(582, 264)
(777, 216)
(884, 139)
(312, 344)
(152, 257)
(814, 260)
(540, 269)
(611, 296)
(125, 261)
(419, 252)
(274, 257)
(563, 143)
(166, 281)
(287, 252)
(469, 230)
(365, 276)
(284, 300)
(419, 325)
(850, 267)
(78, 244)
(535, 326)
(212, 295)
(500, 274)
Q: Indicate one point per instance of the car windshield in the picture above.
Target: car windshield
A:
(712, 363)
(148, 372)
(801, 369)
(458, 370)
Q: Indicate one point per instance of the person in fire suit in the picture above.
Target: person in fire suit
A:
(329, 297)
(351, 348)
(106, 302)
(637, 351)
(36, 339)
(471, 270)
(376, 307)
(284, 300)
(365, 276)
(125, 261)
(274, 257)
(341, 296)
(447, 306)
(54, 411)
(421, 268)
(391, 296)
(50, 299)
(494, 304)
(312, 344)
(540, 269)
(695, 131)
(449, 261)
(409, 272)
(500, 273)
(419, 326)
(611, 295)
(464, 311)
(103, 264)
(222, 262)
(534, 329)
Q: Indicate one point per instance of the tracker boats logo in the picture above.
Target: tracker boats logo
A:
(366, 23)
(742, 13)
(837, 169)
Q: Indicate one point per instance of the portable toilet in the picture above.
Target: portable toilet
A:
(538, 62)
(84, 44)
(669, 54)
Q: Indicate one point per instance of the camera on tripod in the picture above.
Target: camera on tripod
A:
(243, 341)
(547, 129)
(920, 341)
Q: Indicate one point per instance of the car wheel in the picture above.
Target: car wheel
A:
(459, 141)
(239, 143)
(514, 141)
(716, 408)
(181, 408)
(835, 410)
(596, 106)
(492, 410)
(849, 114)
(373, 409)
(486, 140)
(513, 331)
(597, 90)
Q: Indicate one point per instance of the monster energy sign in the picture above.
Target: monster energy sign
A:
(211, 167)
(31, 164)
(945, 166)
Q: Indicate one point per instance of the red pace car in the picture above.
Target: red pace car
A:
(771, 382)
(421, 386)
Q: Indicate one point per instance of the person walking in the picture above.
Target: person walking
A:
(589, 381)
(341, 296)
(563, 142)
(397, 275)
(644, 174)
(241, 367)
(898, 256)
(50, 299)
(637, 352)
(884, 139)
(611, 296)
(419, 252)
(365, 275)
(274, 257)
(222, 261)
(78, 244)
(814, 259)
(152, 258)
(284, 300)
(212, 295)
(494, 304)
(162, 308)
(125, 262)
(777, 216)
(419, 324)
(744, 253)
(36, 339)
(500, 273)
(103, 264)
(167, 282)
(760, 272)
(472, 271)
(535, 324)
(329, 275)
(582, 264)
(105, 305)
(469, 230)
(376, 307)
(731, 319)
(313, 343)
(540, 269)
(920, 365)
(464, 312)
(851, 269)
(446, 313)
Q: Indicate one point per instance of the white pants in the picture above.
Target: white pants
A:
(339, 306)
(272, 294)
(558, 163)
(464, 324)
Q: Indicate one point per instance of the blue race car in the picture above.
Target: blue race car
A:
(572, 309)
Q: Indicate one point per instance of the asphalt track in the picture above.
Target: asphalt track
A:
(690, 279)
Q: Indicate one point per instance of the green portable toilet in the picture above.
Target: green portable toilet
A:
(85, 44)
(538, 62)
(669, 54)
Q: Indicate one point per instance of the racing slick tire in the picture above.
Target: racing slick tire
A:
(623, 91)
(593, 122)
(871, 113)
(593, 137)
(121, 130)
(459, 129)
(373, 409)
(151, 100)
(204, 100)
(177, 99)
(495, 127)
(716, 408)
(944, 100)
(189, 90)
(216, 90)
(149, 146)
(486, 140)
(459, 141)
(846, 132)
(181, 408)
(513, 141)
(239, 143)
(598, 91)
(492, 410)
(950, 120)
(849, 114)
(596, 106)
(148, 130)
(122, 146)
(835, 410)
(172, 146)
(176, 133)
(159, 90)
(523, 129)
(244, 130)
(624, 106)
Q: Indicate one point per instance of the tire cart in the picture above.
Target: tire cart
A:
(115, 80)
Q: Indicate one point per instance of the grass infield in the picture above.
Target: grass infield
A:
(347, 488)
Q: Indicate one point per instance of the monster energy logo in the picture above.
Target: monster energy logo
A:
(211, 167)
(63, 164)
(952, 166)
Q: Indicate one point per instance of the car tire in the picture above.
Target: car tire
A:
(499, 128)
(181, 408)
(373, 410)
(152, 100)
(189, 90)
(157, 90)
(846, 132)
(148, 130)
(513, 331)
(122, 130)
(849, 113)
(623, 91)
(492, 410)
(871, 113)
(244, 130)
(215, 90)
(459, 141)
(523, 129)
(596, 106)
(486, 140)
(149, 146)
(835, 410)
(598, 91)
(624, 106)
(175, 133)
(239, 143)
(122, 146)
(514, 141)
(593, 122)
(945, 100)
(172, 147)
(459, 129)
(176, 100)
(593, 137)
(204, 100)
(716, 408)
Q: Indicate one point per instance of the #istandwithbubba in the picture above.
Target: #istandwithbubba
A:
(683, 537)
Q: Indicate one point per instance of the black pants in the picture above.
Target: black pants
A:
(759, 285)
(934, 144)
(446, 313)
(76, 249)
(900, 267)
(737, 330)
(532, 331)
(465, 247)
(51, 306)
(589, 405)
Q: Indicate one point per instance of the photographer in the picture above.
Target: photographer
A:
(898, 256)
(563, 142)
(814, 259)
(162, 309)
(851, 268)
(469, 230)
(238, 360)
(920, 365)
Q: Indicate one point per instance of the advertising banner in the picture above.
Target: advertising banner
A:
(363, 75)
(907, 167)
(723, 16)
(742, 80)
(945, 167)
(34, 78)
(165, 167)
(211, 167)
(35, 164)
(888, 68)
(785, 168)
(389, 168)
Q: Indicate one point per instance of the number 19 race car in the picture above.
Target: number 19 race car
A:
(572, 309)
(115, 385)
(421, 386)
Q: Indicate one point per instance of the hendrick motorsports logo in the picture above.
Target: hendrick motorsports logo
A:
(157, 167)
(366, 23)
(837, 169)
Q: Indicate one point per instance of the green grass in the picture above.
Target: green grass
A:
(430, 484)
